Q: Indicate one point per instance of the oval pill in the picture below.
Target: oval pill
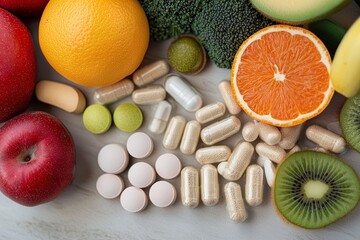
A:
(133, 199)
(210, 194)
(213, 154)
(161, 118)
(183, 93)
(109, 186)
(63, 96)
(190, 188)
(149, 95)
(151, 72)
(254, 187)
(113, 158)
(210, 112)
(220, 130)
(190, 138)
(234, 202)
(173, 133)
(114, 92)
(274, 153)
(226, 93)
(326, 138)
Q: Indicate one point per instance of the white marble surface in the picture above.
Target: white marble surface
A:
(81, 213)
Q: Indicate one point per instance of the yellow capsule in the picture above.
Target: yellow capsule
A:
(326, 139)
(230, 102)
(254, 187)
(173, 133)
(190, 138)
(209, 185)
(289, 136)
(150, 73)
(234, 202)
(114, 92)
(220, 130)
(190, 189)
(149, 95)
(269, 134)
(274, 153)
(210, 112)
(213, 154)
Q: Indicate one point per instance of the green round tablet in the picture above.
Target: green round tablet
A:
(97, 118)
(128, 117)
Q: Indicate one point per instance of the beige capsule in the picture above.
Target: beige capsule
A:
(149, 95)
(114, 92)
(150, 73)
(295, 149)
(269, 170)
(190, 188)
(190, 138)
(173, 133)
(220, 130)
(274, 153)
(213, 154)
(209, 181)
(250, 131)
(269, 134)
(289, 136)
(230, 102)
(326, 138)
(254, 185)
(210, 112)
(234, 202)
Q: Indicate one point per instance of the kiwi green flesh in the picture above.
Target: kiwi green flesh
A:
(337, 182)
(350, 121)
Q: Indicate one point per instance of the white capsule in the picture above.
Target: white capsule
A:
(210, 194)
(289, 136)
(190, 137)
(254, 187)
(173, 133)
(269, 170)
(114, 92)
(149, 95)
(150, 73)
(230, 102)
(183, 93)
(220, 130)
(269, 134)
(190, 188)
(274, 153)
(234, 202)
(250, 131)
(261, 160)
(213, 154)
(326, 139)
(161, 118)
(210, 112)
(238, 161)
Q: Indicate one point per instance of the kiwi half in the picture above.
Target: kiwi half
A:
(350, 121)
(314, 189)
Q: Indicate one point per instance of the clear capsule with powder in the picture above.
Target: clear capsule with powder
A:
(150, 73)
(190, 187)
(149, 95)
(114, 92)
(210, 194)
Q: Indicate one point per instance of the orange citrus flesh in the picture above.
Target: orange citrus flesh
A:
(280, 76)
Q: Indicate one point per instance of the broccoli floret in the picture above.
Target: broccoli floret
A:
(223, 25)
(170, 18)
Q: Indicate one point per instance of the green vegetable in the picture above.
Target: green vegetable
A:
(170, 18)
(222, 25)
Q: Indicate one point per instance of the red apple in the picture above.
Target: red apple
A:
(37, 158)
(24, 8)
(17, 66)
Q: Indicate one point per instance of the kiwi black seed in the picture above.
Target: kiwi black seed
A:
(314, 189)
(350, 121)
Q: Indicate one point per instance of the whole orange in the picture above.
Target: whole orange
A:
(94, 42)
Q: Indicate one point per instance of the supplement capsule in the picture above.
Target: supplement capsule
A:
(210, 112)
(269, 170)
(274, 153)
(210, 194)
(261, 160)
(220, 130)
(254, 187)
(161, 118)
(289, 136)
(114, 92)
(190, 137)
(326, 139)
(190, 189)
(150, 73)
(269, 134)
(183, 93)
(213, 154)
(250, 131)
(174, 132)
(149, 95)
(296, 148)
(234, 202)
(230, 102)
(238, 161)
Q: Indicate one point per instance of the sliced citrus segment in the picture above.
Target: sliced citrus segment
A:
(280, 75)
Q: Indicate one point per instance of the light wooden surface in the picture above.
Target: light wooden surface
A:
(81, 213)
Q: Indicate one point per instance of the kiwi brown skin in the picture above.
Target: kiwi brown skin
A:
(293, 224)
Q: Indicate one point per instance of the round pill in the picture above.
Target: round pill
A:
(133, 199)
(97, 118)
(109, 186)
(139, 145)
(141, 175)
(113, 158)
(162, 194)
(168, 166)
(128, 117)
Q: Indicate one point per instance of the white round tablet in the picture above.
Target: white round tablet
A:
(113, 158)
(109, 185)
(133, 199)
(139, 145)
(162, 194)
(168, 166)
(141, 175)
